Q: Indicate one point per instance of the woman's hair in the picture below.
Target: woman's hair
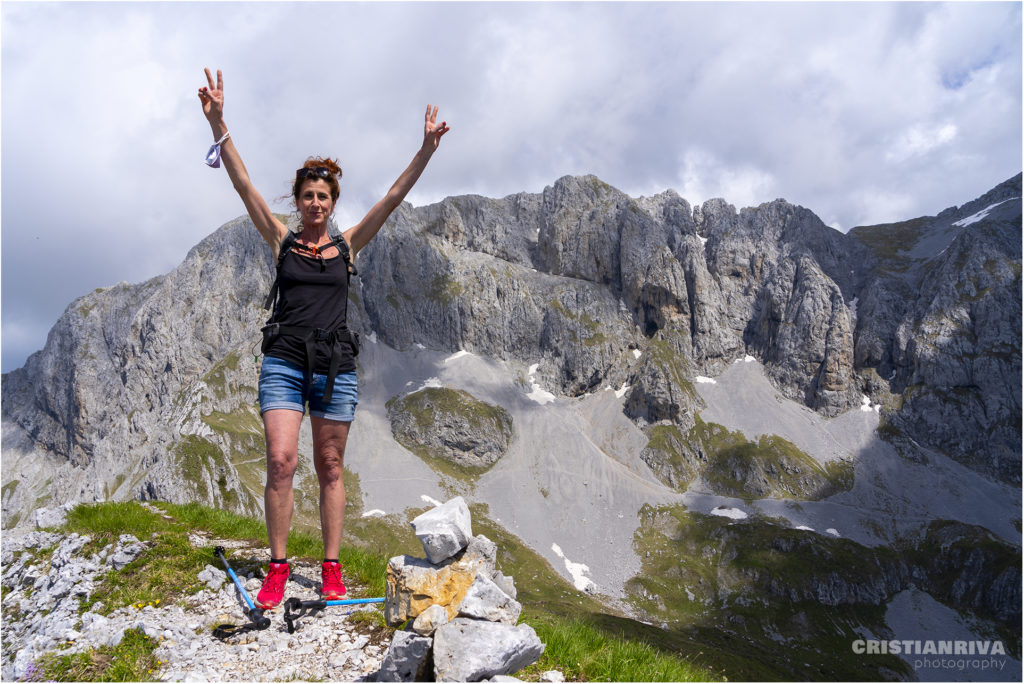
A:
(322, 168)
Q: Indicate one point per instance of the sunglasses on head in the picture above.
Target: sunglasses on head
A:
(314, 172)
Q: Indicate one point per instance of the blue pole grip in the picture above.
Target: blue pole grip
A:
(353, 602)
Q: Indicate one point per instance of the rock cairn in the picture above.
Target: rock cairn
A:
(458, 613)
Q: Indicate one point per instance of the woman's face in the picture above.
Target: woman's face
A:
(315, 204)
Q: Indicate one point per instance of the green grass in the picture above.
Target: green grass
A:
(583, 652)
(666, 454)
(772, 467)
(130, 661)
(167, 570)
(723, 587)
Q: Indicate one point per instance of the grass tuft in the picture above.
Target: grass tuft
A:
(132, 660)
(583, 652)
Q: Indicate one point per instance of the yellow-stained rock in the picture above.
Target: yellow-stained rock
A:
(415, 584)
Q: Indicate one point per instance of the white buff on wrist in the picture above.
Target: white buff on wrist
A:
(213, 156)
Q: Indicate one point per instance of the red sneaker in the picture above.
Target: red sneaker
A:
(333, 587)
(272, 591)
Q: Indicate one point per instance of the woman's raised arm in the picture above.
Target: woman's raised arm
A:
(361, 233)
(212, 99)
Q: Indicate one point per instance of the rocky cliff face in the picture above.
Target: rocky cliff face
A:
(140, 386)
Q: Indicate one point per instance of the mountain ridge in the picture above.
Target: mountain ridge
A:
(601, 324)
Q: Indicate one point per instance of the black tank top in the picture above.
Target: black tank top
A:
(314, 294)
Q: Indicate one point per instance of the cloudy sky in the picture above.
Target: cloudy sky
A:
(864, 113)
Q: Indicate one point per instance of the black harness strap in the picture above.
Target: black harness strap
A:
(311, 336)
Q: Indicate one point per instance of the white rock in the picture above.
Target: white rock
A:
(486, 601)
(429, 620)
(444, 530)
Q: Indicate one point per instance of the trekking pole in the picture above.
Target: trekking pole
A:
(303, 608)
(255, 614)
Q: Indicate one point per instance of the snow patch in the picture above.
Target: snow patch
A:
(457, 355)
(703, 240)
(710, 381)
(430, 500)
(577, 570)
(637, 353)
(833, 531)
(538, 393)
(372, 336)
(805, 527)
(374, 512)
(974, 218)
(429, 382)
(748, 359)
(621, 392)
(734, 513)
(867, 406)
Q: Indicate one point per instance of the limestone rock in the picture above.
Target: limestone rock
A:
(486, 601)
(214, 578)
(575, 280)
(444, 530)
(407, 658)
(468, 650)
(427, 622)
(415, 584)
(451, 425)
(51, 517)
(504, 583)
(483, 553)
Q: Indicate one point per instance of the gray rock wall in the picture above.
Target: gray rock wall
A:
(597, 288)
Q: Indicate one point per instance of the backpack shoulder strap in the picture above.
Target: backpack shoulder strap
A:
(346, 253)
(286, 245)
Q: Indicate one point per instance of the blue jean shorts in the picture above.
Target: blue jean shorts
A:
(283, 385)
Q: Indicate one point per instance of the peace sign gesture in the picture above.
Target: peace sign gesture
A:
(432, 131)
(212, 97)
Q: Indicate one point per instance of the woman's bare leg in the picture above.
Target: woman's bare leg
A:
(329, 439)
(281, 427)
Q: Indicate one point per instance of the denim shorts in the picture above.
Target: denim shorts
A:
(283, 385)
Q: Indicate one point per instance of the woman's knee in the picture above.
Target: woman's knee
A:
(281, 466)
(329, 462)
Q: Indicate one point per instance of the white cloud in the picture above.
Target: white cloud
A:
(862, 112)
(920, 140)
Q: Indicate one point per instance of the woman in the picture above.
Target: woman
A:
(313, 295)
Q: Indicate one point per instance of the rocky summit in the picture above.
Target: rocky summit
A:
(603, 377)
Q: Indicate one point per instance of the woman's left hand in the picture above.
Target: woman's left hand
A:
(432, 131)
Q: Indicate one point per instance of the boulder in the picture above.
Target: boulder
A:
(406, 659)
(468, 650)
(415, 584)
(427, 622)
(482, 552)
(212, 577)
(486, 601)
(51, 517)
(444, 530)
(505, 583)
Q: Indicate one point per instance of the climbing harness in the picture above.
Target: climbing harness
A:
(309, 608)
(259, 621)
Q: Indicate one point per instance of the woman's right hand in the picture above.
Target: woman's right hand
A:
(212, 97)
